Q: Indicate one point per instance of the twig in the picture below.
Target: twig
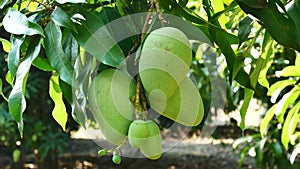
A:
(44, 5)
(137, 44)
(144, 30)
(144, 105)
(137, 96)
(148, 17)
(160, 15)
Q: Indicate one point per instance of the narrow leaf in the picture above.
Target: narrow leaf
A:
(59, 112)
(82, 72)
(1, 92)
(266, 120)
(9, 79)
(17, 23)
(6, 45)
(17, 103)
(61, 18)
(277, 87)
(42, 64)
(290, 124)
(287, 99)
(3, 3)
(71, 48)
(94, 37)
(245, 27)
(292, 70)
(281, 28)
(14, 54)
(262, 65)
(248, 94)
(55, 53)
(295, 152)
(221, 40)
(277, 149)
(268, 56)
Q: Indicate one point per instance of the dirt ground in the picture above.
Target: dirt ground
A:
(189, 153)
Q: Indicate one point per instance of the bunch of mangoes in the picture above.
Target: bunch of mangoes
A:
(163, 66)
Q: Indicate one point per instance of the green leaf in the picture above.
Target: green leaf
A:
(9, 79)
(280, 27)
(292, 70)
(287, 99)
(3, 3)
(257, 4)
(245, 27)
(266, 120)
(94, 37)
(61, 18)
(259, 149)
(262, 65)
(59, 112)
(268, 56)
(290, 124)
(240, 141)
(70, 47)
(6, 45)
(238, 65)
(294, 14)
(55, 53)
(16, 100)
(66, 90)
(70, 1)
(221, 40)
(248, 94)
(83, 70)
(277, 87)
(17, 23)
(1, 92)
(295, 152)
(243, 154)
(42, 64)
(14, 54)
(109, 16)
(277, 150)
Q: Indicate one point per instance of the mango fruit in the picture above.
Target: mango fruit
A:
(116, 159)
(184, 107)
(137, 133)
(109, 101)
(165, 59)
(152, 146)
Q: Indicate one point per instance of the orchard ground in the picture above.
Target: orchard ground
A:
(192, 152)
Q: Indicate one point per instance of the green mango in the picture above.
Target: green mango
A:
(109, 101)
(152, 146)
(16, 155)
(184, 107)
(137, 133)
(165, 59)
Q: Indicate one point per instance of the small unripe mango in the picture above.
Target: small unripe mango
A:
(109, 102)
(152, 146)
(137, 133)
(116, 159)
(184, 107)
(165, 59)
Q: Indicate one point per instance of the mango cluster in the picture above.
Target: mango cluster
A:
(163, 66)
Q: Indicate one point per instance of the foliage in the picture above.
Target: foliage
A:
(260, 56)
